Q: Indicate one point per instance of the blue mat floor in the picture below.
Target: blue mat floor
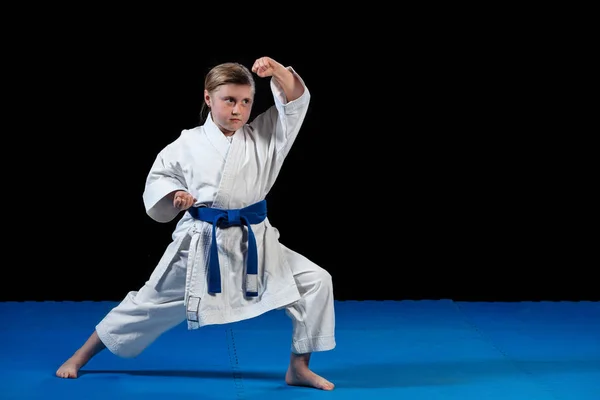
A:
(428, 349)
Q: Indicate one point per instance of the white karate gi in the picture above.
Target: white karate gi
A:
(225, 173)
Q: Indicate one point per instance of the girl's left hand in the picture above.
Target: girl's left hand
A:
(265, 66)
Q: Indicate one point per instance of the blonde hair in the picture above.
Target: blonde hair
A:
(223, 74)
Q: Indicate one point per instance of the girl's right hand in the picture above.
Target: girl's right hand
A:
(182, 200)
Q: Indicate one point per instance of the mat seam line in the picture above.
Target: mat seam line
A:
(234, 365)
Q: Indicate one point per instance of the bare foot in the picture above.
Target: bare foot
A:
(71, 367)
(298, 374)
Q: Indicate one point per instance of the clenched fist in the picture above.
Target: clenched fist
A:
(266, 66)
(182, 200)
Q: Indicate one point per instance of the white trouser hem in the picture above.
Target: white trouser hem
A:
(311, 345)
(111, 344)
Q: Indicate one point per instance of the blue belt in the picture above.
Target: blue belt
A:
(252, 214)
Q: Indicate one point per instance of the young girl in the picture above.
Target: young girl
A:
(225, 263)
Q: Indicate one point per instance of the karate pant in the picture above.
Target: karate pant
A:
(142, 316)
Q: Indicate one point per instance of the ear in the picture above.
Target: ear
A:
(207, 97)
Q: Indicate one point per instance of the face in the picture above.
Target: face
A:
(230, 106)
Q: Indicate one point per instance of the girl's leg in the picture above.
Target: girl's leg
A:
(137, 321)
(313, 320)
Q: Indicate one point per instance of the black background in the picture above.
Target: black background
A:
(427, 168)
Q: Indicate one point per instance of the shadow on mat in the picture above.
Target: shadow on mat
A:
(380, 375)
(192, 374)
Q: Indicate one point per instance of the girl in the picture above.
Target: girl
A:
(225, 262)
